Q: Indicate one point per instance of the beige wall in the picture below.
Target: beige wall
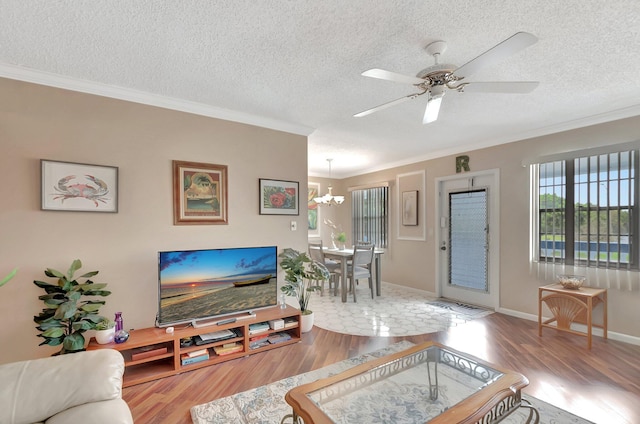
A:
(412, 263)
(38, 122)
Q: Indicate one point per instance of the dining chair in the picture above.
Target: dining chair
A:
(316, 253)
(359, 268)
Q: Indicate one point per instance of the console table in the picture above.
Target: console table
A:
(572, 305)
(152, 353)
(431, 382)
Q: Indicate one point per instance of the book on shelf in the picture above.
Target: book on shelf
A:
(259, 343)
(279, 338)
(258, 337)
(147, 352)
(197, 353)
(185, 359)
(259, 327)
(221, 350)
(290, 322)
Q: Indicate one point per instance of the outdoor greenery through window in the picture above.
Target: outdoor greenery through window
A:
(587, 213)
(369, 215)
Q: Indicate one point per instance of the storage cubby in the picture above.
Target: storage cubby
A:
(158, 353)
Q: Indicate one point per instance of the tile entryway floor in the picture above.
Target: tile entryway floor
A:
(399, 311)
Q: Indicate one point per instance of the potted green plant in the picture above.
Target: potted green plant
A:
(341, 238)
(105, 330)
(302, 276)
(71, 308)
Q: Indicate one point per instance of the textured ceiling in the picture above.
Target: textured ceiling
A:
(295, 66)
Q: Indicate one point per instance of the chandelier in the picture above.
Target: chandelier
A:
(329, 199)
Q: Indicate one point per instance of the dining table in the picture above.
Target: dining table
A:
(346, 255)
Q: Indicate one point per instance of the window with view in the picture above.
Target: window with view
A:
(587, 214)
(369, 215)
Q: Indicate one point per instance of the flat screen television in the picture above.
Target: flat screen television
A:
(197, 285)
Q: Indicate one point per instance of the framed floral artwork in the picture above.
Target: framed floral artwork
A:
(279, 197)
(199, 193)
(78, 187)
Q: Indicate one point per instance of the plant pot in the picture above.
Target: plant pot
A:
(306, 322)
(105, 336)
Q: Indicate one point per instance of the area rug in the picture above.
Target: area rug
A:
(399, 311)
(266, 404)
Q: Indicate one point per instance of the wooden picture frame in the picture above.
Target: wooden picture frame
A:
(199, 193)
(78, 187)
(313, 210)
(279, 197)
(410, 207)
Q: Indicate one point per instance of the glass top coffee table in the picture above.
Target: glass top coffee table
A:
(425, 383)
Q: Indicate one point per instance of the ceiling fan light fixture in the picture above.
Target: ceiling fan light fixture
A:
(433, 109)
(329, 199)
(433, 105)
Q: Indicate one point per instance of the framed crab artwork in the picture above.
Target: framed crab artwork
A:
(78, 187)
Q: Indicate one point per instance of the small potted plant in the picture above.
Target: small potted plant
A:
(71, 308)
(337, 235)
(302, 276)
(105, 330)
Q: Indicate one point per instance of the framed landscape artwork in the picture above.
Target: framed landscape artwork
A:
(199, 193)
(78, 187)
(279, 197)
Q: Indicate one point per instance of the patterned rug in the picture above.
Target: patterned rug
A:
(266, 404)
(399, 311)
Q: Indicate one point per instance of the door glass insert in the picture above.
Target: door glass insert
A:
(468, 232)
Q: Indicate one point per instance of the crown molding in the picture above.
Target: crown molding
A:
(137, 96)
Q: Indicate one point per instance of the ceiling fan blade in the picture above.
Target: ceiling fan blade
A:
(386, 105)
(510, 46)
(517, 87)
(433, 108)
(392, 76)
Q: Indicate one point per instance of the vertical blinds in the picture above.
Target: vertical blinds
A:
(369, 215)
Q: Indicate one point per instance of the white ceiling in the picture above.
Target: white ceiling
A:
(295, 66)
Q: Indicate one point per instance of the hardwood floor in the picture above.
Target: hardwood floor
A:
(601, 385)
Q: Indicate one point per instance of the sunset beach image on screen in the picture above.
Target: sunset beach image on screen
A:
(200, 284)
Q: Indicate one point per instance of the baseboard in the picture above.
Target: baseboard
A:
(413, 289)
(612, 335)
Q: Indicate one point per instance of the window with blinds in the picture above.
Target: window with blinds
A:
(587, 213)
(369, 215)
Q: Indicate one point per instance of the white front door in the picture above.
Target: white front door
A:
(468, 254)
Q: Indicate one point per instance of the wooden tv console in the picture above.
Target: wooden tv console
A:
(161, 351)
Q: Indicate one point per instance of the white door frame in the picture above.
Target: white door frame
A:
(493, 257)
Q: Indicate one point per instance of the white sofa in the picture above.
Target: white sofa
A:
(83, 387)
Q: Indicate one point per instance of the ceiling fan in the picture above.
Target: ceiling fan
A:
(435, 80)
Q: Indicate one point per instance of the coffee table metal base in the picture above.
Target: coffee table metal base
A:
(474, 391)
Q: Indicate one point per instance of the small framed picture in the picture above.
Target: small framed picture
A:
(78, 187)
(279, 197)
(199, 193)
(410, 207)
(313, 211)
